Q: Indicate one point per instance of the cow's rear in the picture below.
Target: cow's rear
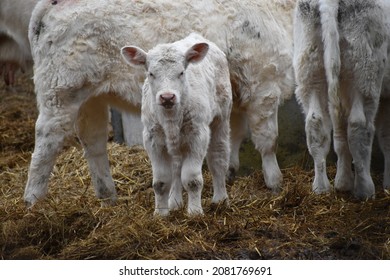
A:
(340, 57)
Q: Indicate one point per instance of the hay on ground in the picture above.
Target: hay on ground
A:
(71, 224)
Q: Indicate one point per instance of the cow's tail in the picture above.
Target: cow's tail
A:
(36, 25)
(330, 36)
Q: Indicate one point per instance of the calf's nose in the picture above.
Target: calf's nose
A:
(167, 97)
(167, 100)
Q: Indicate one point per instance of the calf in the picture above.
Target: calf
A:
(78, 72)
(340, 60)
(186, 107)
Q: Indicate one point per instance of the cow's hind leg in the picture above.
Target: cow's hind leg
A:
(360, 138)
(92, 129)
(54, 124)
(264, 132)
(369, 62)
(318, 135)
(218, 159)
(344, 180)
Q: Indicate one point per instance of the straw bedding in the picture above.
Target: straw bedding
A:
(71, 224)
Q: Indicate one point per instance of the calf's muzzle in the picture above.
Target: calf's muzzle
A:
(167, 100)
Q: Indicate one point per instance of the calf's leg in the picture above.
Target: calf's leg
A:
(191, 170)
(176, 192)
(192, 180)
(162, 173)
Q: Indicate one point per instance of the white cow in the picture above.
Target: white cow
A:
(78, 72)
(15, 51)
(186, 105)
(341, 65)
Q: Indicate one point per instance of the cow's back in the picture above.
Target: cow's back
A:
(95, 29)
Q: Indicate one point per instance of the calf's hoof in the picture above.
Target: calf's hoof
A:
(161, 212)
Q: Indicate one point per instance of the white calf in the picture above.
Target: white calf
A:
(340, 59)
(186, 107)
(78, 72)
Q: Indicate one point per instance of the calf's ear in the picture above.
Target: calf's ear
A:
(196, 53)
(134, 55)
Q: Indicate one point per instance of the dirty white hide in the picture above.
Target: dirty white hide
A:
(15, 51)
(186, 105)
(78, 72)
(341, 66)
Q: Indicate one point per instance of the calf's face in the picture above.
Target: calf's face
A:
(166, 67)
